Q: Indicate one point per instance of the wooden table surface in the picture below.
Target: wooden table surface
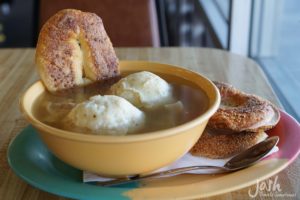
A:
(17, 72)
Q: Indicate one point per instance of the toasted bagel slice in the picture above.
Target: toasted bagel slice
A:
(217, 146)
(240, 112)
(73, 48)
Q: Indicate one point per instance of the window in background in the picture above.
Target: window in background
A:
(216, 16)
(276, 46)
(186, 23)
(266, 30)
(228, 22)
(182, 25)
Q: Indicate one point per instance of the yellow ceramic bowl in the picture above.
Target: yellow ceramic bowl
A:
(133, 154)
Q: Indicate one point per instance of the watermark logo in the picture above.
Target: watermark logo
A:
(269, 188)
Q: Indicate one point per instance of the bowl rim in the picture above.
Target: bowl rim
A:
(77, 136)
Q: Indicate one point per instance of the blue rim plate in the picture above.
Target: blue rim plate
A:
(32, 161)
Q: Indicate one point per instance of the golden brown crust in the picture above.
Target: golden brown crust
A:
(218, 146)
(73, 45)
(242, 112)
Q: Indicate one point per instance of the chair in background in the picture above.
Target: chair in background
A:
(127, 22)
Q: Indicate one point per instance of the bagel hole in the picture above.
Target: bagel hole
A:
(79, 44)
(232, 101)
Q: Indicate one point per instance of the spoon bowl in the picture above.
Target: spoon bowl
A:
(252, 155)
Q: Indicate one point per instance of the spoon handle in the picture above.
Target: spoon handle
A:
(171, 172)
(242, 160)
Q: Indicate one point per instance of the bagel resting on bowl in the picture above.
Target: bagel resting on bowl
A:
(73, 49)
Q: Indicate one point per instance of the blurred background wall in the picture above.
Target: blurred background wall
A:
(128, 22)
(18, 20)
(265, 30)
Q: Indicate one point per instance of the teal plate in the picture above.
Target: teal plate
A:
(31, 160)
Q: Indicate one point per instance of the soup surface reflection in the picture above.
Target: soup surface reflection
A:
(189, 103)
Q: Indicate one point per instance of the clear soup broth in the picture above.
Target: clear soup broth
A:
(189, 103)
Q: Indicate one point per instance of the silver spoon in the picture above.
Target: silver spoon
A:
(240, 161)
